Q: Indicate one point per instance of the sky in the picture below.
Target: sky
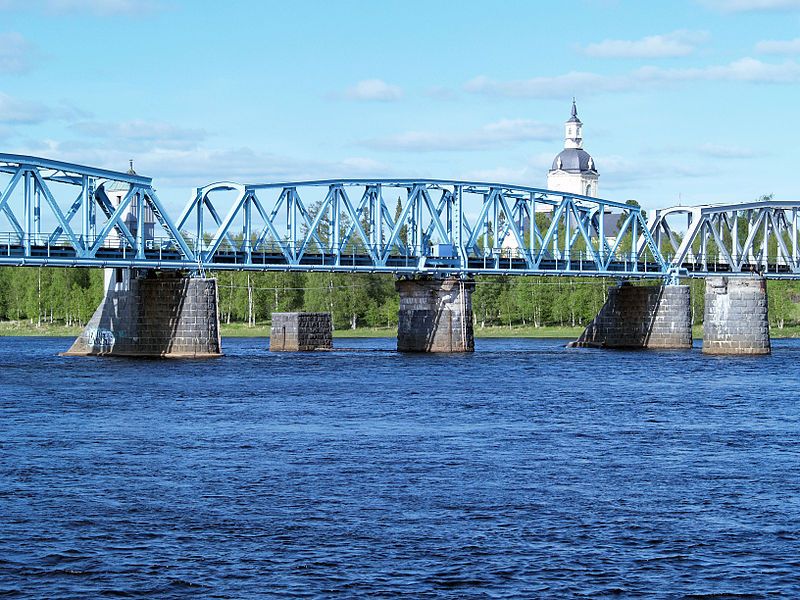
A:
(683, 101)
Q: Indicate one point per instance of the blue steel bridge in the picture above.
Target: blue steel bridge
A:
(60, 214)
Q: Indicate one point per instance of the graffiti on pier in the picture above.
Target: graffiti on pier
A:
(101, 339)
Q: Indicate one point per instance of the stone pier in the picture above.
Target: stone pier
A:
(153, 314)
(736, 319)
(301, 331)
(435, 315)
(652, 316)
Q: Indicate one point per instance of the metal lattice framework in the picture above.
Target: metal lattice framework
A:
(412, 226)
(42, 200)
(61, 214)
(749, 237)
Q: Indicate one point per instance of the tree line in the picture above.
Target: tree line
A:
(70, 296)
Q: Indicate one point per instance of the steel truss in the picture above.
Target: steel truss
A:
(61, 214)
(741, 238)
(43, 199)
(413, 226)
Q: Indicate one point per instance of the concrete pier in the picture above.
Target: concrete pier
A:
(435, 315)
(153, 314)
(736, 319)
(300, 332)
(656, 317)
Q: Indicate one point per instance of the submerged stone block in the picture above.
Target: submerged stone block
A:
(736, 318)
(435, 315)
(153, 314)
(301, 331)
(641, 317)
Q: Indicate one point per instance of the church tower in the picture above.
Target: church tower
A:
(573, 169)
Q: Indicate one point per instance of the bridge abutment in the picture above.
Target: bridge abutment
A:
(435, 315)
(736, 319)
(655, 317)
(153, 314)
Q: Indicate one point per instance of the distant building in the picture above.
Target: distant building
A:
(573, 169)
(116, 192)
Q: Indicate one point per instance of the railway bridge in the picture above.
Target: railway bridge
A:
(433, 235)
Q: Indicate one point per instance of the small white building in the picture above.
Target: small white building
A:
(573, 169)
(116, 192)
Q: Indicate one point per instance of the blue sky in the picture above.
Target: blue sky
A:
(687, 101)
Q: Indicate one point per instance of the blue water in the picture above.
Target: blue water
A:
(525, 470)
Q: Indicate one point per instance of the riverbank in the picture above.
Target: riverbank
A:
(241, 330)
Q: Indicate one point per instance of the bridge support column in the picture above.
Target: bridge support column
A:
(652, 316)
(301, 331)
(153, 314)
(435, 315)
(736, 319)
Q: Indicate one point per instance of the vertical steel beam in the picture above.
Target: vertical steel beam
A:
(634, 239)
(567, 234)
(27, 210)
(86, 207)
(140, 224)
(458, 228)
(704, 245)
(601, 234)
(200, 206)
(37, 214)
(532, 224)
(765, 242)
(335, 206)
(247, 234)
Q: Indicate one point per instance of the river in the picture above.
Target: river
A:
(524, 470)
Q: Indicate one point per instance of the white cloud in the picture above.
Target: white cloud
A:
(547, 87)
(17, 111)
(778, 46)
(17, 54)
(732, 6)
(677, 43)
(374, 90)
(189, 168)
(720, 151)
(142, 134)
(747, 70)
(94, 7)
(499, 133)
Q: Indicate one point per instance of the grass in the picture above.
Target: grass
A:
(233, 330)
(262, 330)
(26, 328)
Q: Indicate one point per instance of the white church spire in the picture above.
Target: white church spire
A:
(573, 168)
(573, 137)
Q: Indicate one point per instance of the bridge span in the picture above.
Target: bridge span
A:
(54, 213)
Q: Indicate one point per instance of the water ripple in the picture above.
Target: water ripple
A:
(522, 471)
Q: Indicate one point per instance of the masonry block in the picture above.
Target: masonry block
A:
(736, 318)
(435, 315)
(301, 331)
(645, 316)
(153, 314)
